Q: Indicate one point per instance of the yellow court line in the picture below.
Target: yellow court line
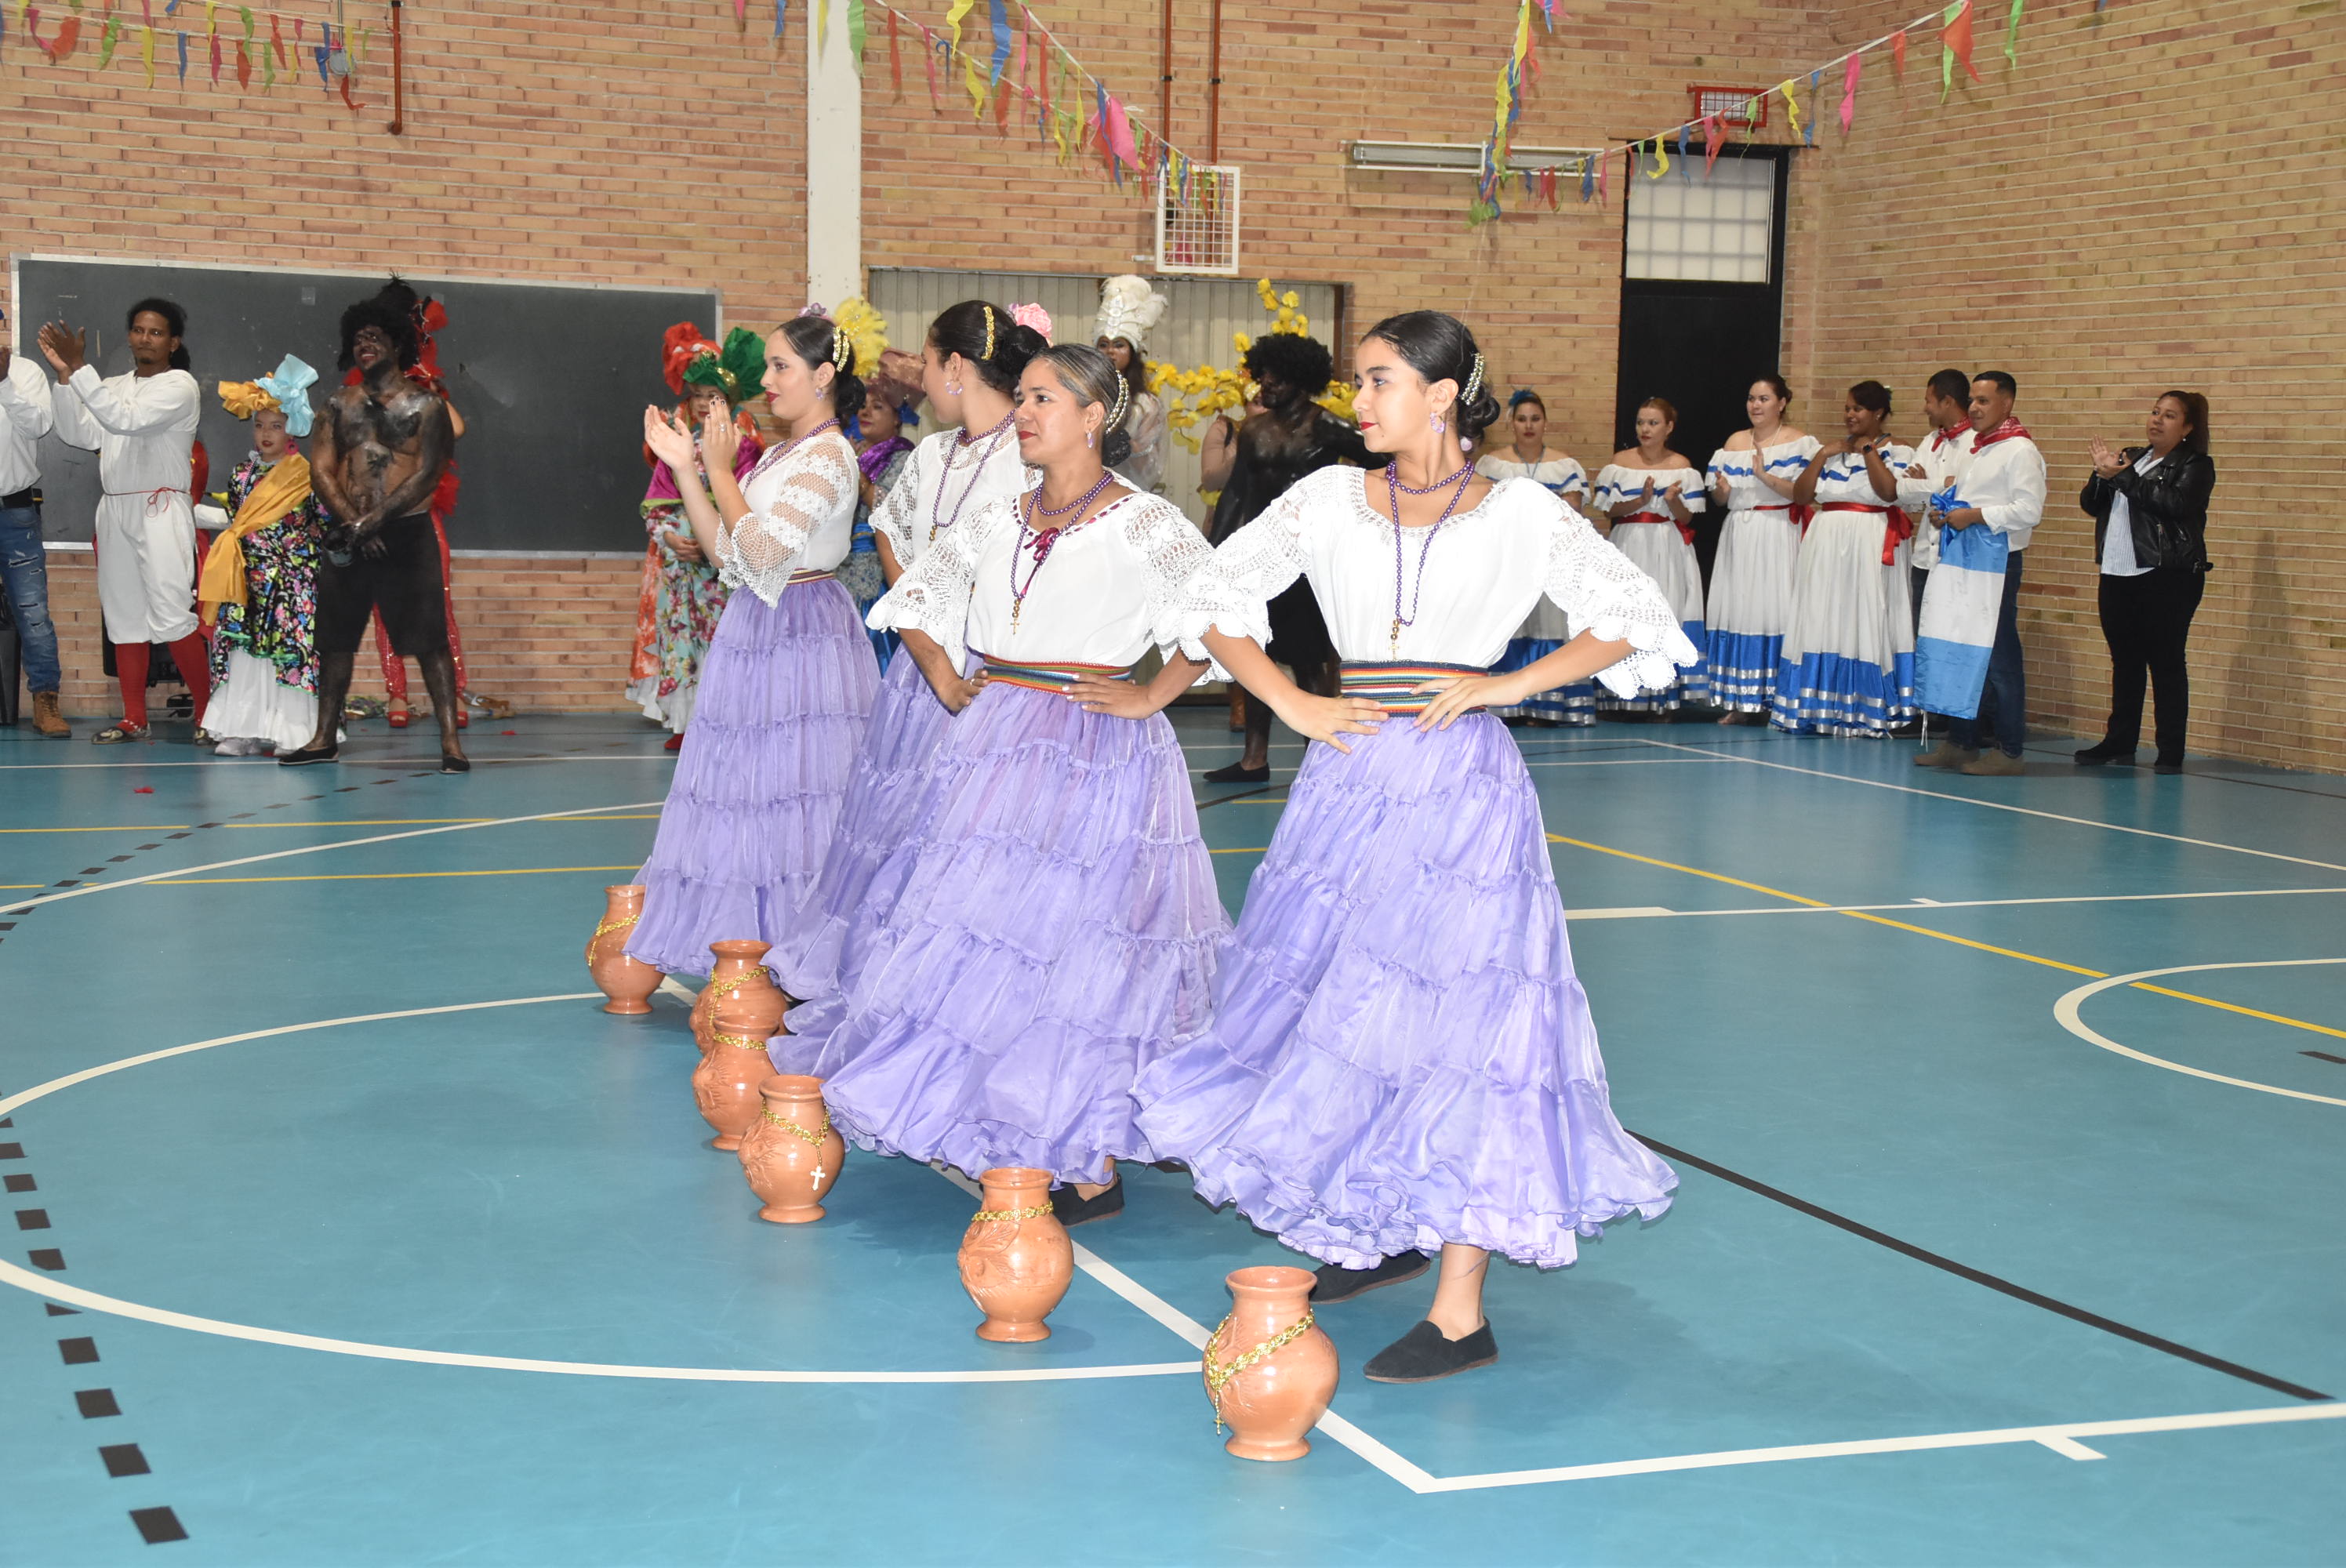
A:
(1943, 936)
(383, 876)
(1259, 851)
(12, 887)
(408, 821)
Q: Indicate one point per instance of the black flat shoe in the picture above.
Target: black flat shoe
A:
(1422, 1355)
(2104, 754)
(1239, 773)
(1071, 1210)
(308, 755)
(2163, 766)
(1341, 1284)
(449, 764)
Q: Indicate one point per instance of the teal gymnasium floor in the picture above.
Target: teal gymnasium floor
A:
(348, 1231)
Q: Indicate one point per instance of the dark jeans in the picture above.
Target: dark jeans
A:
(2007, 676)
(2146, 621)
(26, 568)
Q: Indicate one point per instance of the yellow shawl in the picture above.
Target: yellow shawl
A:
(282, 492)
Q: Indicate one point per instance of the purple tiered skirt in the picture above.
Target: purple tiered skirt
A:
(907, 722)
(1046, 927)
(785, 693)
(1400, 1055)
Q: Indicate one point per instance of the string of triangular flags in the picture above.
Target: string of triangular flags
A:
(337, 56)
(1020, 63)
(1651, 155)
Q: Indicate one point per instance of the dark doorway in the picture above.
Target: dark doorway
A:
(1700, 342)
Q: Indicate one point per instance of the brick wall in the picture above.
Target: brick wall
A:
(548, 633)
(2131, 207)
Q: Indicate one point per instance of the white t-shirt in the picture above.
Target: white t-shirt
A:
(2117, 538)
(1466, 585)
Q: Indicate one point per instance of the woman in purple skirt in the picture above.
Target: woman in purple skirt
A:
(789, 682)
(1401, 1058)
(969, 369)
(1047, 924)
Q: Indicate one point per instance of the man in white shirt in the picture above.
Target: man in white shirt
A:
(142, 425)
(1939, 460)
(2003, 488)
(24, 418)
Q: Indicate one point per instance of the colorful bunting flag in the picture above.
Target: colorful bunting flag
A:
(1791, 105)
(998, 14)
(1848, 94)
(1810, 139)
(2012, 35)
(105, 44)
(1898, 56)
(855, 33)
(1713, 136)
(895, 57)
(1686, 169)
(1955, 45)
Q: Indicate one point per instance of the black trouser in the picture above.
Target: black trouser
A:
(2146, 620)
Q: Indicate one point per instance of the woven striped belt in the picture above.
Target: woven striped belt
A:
(1050, 676)
(798, 577)
(1395, 684)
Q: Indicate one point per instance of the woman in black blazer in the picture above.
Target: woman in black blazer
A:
(2153, 568)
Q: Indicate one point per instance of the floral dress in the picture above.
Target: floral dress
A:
(278, 622)
(680, 600)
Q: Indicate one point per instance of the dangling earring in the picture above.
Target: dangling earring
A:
(1088, 439)
(1438, 426)
(953, 389)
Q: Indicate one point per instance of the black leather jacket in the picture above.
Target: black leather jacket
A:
(2169, 507)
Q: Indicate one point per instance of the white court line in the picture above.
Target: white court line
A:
(2061, 1437)
(386, 765)
(1656, 913)
(18, 904)
(2000, 806)
(90, 1300)
(2067, 1011)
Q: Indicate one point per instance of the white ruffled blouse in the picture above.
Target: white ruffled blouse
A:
(1483, 571)
(1784, 459)
(1843, 477)
(1107, 590)
(1616, 482)
(801, 516)
(944, 485)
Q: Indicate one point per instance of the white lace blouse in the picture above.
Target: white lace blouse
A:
(945, 484)
(1483, 571)
(801, 516)
(1105, 592)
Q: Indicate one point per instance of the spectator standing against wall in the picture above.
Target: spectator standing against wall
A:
(25, 417)
(2150, 506)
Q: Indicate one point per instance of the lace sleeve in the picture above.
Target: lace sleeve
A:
(1600, 590)
(933, 596)
(1231, 593)
(1174, 553)
(809, 487)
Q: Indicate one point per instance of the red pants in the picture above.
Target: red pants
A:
(394, 669)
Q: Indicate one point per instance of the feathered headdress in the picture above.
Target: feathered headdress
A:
(734, 370)
(287, 387)
(866, 331)
(1129, 308)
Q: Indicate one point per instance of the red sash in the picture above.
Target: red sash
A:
(1685, 530)
(1900, 526)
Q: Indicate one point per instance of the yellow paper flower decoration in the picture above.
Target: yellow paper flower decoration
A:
(1193, 397)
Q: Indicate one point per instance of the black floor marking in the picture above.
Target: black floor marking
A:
(2325, 1057)
(78, 1352)
(31, 1219)
(158, 1525)
(118, 859)
(1979, 1277)
(56, 1310)
(48, 1258)
(93, 1403)
(122, 1458)
(20, 1183)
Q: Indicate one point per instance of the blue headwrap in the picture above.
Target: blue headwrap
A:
(290, 384)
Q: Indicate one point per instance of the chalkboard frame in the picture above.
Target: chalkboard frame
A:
(551, 377)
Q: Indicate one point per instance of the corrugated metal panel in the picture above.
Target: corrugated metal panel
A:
(1196, 330)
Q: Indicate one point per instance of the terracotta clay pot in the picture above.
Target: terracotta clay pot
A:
(725, 1085)
(738, 972)
(628, 982)
(790, 1155)
(1270, 1370)
(1015, 1259)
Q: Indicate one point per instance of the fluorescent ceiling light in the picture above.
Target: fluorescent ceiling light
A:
(1452, 158)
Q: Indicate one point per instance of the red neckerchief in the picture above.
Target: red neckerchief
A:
(2009, 430)
(1939, 438)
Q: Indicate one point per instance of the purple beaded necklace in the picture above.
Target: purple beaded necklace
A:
(1394, 490)
(938, 522)
(1038, 542)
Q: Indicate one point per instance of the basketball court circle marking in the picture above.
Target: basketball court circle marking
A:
(2067, 1009)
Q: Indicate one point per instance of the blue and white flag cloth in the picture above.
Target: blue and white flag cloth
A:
(1960, 606)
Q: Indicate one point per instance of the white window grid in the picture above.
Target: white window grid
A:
(1198, 221)
(1716, 227)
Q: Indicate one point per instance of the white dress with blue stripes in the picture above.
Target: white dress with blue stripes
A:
(1545, 629)
(1751, 580)
(1664, 554)
(1847, 661)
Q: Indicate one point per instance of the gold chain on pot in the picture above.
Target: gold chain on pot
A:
(604, 930)
(740, 1042)
(719, 989)
(797, 1132)
(1218, 1373)
(987, 1215)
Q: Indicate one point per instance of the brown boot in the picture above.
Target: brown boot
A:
(47, 719)
(1945, 755)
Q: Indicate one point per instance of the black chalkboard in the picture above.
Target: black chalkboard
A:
(551, 380)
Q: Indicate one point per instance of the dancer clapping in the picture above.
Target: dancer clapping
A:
(1399, 1056)
(788, 681)
(1049, 924)
(969, 368)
